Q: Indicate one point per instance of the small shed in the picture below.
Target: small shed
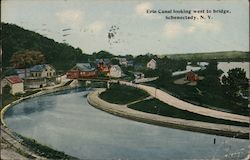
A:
(15, 83)
(191, 76)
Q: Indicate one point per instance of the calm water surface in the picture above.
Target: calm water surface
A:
(66, 122)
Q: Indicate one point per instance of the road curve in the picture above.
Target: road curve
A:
(180, 104)
(191, 125)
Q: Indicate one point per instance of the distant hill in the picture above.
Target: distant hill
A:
(224, 56)
(61, 55)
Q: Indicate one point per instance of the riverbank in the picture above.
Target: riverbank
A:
(190, 125)
(19, 146)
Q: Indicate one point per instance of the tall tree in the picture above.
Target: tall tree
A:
(235, 82)
(26, 58)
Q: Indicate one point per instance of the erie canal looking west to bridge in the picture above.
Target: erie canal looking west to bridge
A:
(67, 116)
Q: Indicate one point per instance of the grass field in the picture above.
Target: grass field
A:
(157, 107)
(211, 96)
(122, 94)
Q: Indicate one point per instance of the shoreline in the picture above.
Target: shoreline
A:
(189, 125)
(26, 149)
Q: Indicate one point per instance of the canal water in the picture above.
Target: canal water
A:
(66, 122)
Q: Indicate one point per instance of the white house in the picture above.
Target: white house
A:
(15, 83)
(151, 64)
(42, 71)
(40, 76)
(115, 71)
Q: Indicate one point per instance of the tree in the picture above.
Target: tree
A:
(115, 61)
(211, 74)
(235, 82)
(26, 58)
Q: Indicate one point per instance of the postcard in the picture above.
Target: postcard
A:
(125, 80)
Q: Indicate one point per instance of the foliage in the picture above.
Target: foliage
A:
(100, 55)
(8, 72)
(157, 107)
(122, 94)
(60, 55)
(224, 56)
(115, 61)
(235, 82)
(211, 74)
(26, 59)
(207, 93)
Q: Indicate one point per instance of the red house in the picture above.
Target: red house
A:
(103, 66)
(191, 76)
(81, 70)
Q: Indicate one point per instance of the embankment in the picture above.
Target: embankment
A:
(190, 125)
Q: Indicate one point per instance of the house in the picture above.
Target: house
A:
(123, 61)
(138, 75)
(191, 76)
(22, 73)
(103, 65)
(40, 76)
(15, 83)
(130, 63)
(151, 64)
(115, 71)
(43, 71)
(81, 70)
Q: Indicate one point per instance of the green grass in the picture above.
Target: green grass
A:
(212, 96)
(157, 107)
(122, 94)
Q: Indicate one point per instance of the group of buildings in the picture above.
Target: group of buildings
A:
(103, 67)
(37, 76)
(43, 75)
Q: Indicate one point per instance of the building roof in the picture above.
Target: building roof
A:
(22, 71)
(106, 61)
(39, 67)
(152, 60)
(84, 67)
(14, 79)
(116, 67)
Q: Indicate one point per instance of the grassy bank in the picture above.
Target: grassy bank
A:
(122, 94)
(44, 151)
(157, 107)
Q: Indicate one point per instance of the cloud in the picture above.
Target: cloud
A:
(141, 10)
(143, 7)
(175, 29)
(97, 26)
(208, 26)
(71, 17)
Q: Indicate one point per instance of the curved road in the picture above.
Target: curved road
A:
(180, 104)
(124, 111)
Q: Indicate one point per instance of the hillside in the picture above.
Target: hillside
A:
(224, 56)
(61, 55)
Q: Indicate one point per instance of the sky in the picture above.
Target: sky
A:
(135, 31)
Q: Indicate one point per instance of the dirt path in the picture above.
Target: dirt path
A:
(180, 104)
